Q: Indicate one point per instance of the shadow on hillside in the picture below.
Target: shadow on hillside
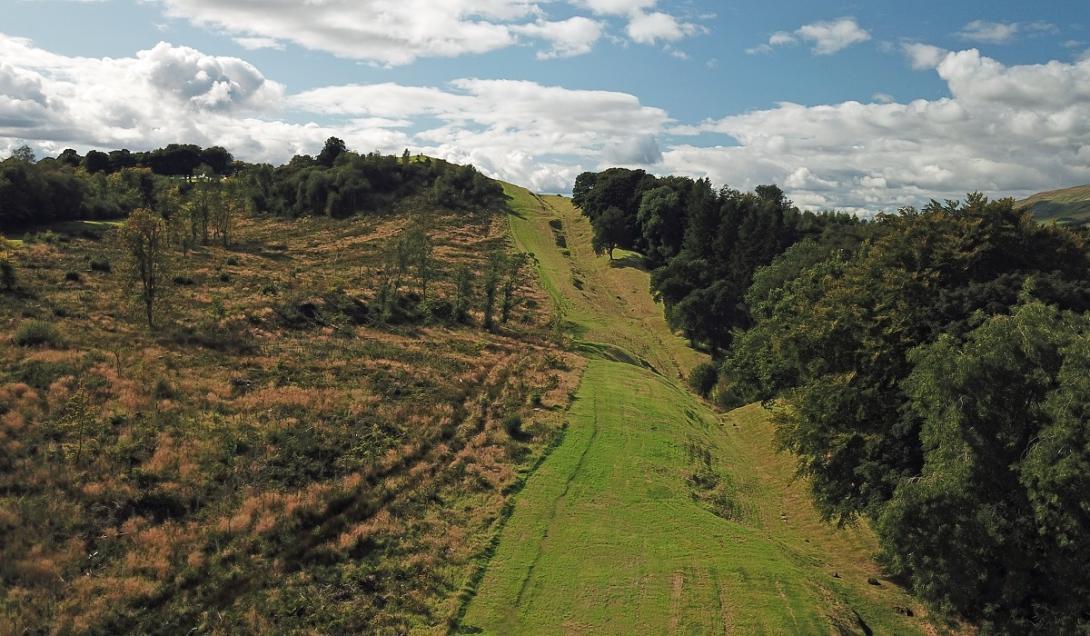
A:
(274, 252)
(633, 261)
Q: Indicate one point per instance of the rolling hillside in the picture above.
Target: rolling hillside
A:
(1069, 206)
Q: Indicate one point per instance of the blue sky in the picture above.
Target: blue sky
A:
(537, 90)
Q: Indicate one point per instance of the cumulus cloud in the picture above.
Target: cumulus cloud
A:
(825, 38)
(396, 32)
(1002, 129)
(651, 28)
(574, 36)
(923, 57)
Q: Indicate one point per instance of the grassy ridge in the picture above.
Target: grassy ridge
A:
(655, 514)
(1069, 206)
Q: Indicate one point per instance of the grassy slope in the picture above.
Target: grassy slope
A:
(1071, 205)
(330, 478)
(611, 536)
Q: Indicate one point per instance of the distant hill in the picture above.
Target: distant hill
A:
(1070, 206)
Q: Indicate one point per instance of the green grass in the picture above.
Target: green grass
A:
(656, 514)
(612, 304)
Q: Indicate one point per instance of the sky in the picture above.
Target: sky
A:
(858, 106)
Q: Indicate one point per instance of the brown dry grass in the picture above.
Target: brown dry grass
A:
(218, 483)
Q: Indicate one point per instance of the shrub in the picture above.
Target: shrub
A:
(101, 265)
(37, 332)
(7, 275)
(40, 374)
(73, 277)
(438, 309)
(163, 390)
(703, 377)
(513, 425)
(183, 280)
(232, 261)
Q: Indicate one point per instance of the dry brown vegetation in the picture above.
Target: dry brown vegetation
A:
(268, 459)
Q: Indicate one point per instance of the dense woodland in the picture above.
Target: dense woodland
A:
(929, 368)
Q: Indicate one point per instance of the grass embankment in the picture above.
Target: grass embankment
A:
(655, 514)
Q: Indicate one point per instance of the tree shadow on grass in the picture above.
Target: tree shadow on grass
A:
(634, 261)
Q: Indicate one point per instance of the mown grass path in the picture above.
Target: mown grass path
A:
(657, 515)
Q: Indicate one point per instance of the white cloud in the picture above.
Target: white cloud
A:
(1003, 129)
(985, 32)
(255, 43)
(651, 28)
(574, 36)
(397, 32)
(923, 57)
(825, 38)
(616, 7)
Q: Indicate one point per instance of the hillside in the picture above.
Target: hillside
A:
(1070, 206)
(657, 514)
(286, 452)
(272, 457)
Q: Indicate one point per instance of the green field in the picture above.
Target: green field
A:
(656, 514)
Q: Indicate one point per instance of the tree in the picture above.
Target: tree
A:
(70, 158)
(406, 158)
(610, 231)
(703, 377)
(333, 148)
(421, 255)
(997, 525)
(511, 283)
(23, 153)
(145, 240)
(497, 261)
(463, 293)
(228, 206)
(662, 222)
(584, 183)
(95, 162)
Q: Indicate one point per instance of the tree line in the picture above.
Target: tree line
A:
(337, 182)
(929, 369)
(702, 245)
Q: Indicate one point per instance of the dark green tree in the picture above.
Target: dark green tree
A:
(611, 230)
(333, 148)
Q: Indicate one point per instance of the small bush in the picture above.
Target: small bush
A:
(7, 275)
(232, 261)
(703, 378)
(438, 309)
(183, 280)
(513, 425)
(41, 375)
(556, 224)
(37, 332)
(73, 277)
(163, 390)
(101, 265)
(225, 277)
